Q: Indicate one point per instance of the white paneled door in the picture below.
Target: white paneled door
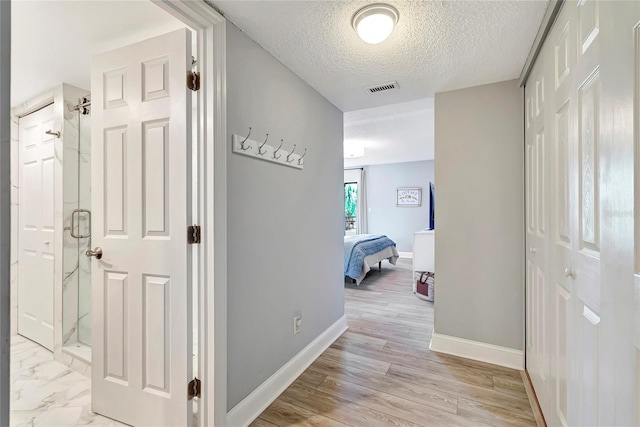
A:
(36, 226)
(560, 68)
(537, 225)
(581, 330)
(142, 313)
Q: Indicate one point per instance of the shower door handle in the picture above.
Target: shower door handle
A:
(74, 215)
(97, 252)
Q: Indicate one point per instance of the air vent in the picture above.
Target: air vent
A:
(383, 87)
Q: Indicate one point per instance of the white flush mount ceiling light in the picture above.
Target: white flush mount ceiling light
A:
(374, 22)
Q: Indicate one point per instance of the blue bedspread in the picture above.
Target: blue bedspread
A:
(356, 248)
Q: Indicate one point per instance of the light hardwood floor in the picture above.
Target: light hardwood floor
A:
(381, 371)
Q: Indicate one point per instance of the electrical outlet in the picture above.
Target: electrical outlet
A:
(297, 322)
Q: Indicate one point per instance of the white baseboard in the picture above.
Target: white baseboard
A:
(406, 254)
(254, 404)
(497, 355)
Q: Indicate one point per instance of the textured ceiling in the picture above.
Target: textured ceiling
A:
(394, 133)
(436, 46)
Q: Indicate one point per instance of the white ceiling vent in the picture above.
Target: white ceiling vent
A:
(383, 87)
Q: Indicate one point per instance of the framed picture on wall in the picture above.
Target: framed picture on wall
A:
(409, 197)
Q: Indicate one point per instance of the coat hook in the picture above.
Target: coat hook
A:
(302, 157)
(291, 154)
(242, 147)
(262, 153)
(278, 149)
(50, 132)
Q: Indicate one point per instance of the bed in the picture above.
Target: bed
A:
(363, 251)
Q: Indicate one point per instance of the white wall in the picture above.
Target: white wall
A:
(384, 217)
(285, 226)
(5, 207)
(480, 214)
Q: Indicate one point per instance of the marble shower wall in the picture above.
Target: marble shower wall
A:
(77, 271)
(70, 197)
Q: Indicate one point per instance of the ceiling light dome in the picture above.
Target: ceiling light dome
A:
(375, 22)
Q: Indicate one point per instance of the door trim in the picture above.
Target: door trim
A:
(211, 281)
(5, 207)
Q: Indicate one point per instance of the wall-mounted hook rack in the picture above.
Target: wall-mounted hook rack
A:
(267, 152)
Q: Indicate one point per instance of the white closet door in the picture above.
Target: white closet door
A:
(591, 326)
(537, 224)
(619, 331)
(36, 226)
(141, 196)
(587, 254)
(563, 221)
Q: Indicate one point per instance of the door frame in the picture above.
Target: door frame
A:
(211, 277)
(5, 206)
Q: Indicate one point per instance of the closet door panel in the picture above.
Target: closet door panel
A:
(585, 364)
(619, 44)
(589, 218)
(562, 47)
(537, 181)
(587, 271)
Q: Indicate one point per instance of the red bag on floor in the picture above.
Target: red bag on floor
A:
(425, 286)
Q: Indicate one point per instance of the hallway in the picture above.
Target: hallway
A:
(381, 371)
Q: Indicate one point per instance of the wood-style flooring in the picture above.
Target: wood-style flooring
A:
(382, 373)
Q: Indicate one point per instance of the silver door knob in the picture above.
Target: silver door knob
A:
(97, 252)
(569, 273)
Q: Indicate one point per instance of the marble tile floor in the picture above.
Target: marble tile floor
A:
(47, 393)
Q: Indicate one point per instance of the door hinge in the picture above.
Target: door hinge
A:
(194, 388)
(193, 234)
(193, 80)
(193, 76)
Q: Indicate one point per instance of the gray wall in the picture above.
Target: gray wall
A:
(480, 214)
(285, 250)
(384, 216)
(5, 207)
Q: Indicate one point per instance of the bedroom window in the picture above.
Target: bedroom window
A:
(350, 208)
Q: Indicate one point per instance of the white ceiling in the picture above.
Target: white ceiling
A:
(53, 41)
(391, 134)
(436, 46)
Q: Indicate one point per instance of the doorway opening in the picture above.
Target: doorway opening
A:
(53, 163)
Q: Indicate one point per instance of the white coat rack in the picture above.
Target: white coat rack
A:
(276, 153)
